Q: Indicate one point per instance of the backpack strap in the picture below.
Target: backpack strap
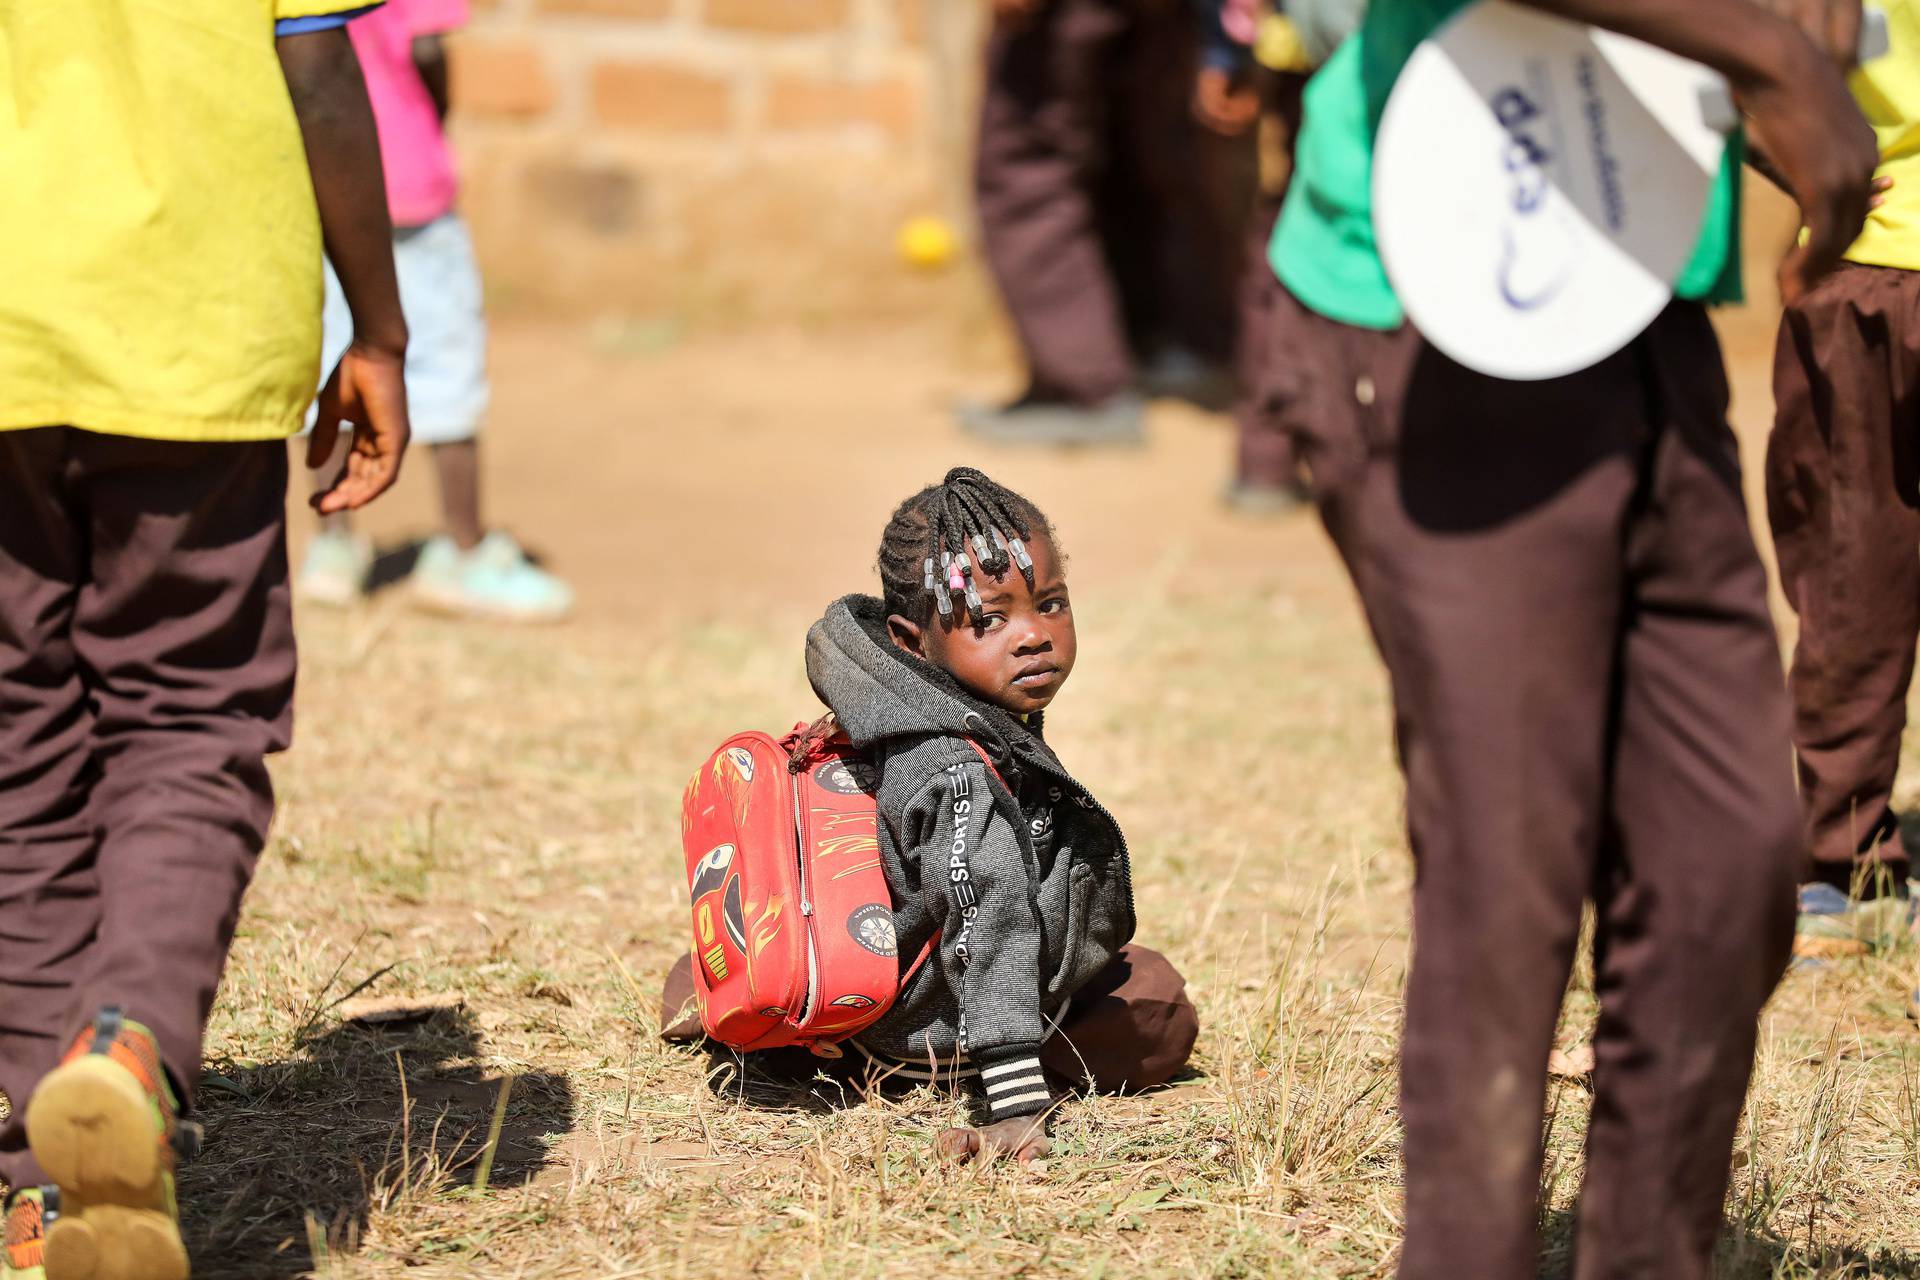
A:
(806, 740)
(926, 951)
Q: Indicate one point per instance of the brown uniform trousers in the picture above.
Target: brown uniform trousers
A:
(1109, 218)
(1589, 706)
(1843, 497)
(1264, 450)
(146, 668)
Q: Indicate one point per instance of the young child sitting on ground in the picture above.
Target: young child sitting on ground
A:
(1033, 981)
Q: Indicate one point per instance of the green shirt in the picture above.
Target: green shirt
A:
(1323, 248)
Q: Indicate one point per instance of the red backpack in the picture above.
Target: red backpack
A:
(793, 938)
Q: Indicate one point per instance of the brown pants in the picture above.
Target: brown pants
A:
(1108, 219)
(1589, 705)
(1843, 497)
(1264, 453)
(1131, 1028)
(146, 668)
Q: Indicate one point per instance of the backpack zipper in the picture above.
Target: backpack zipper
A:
(806, 900)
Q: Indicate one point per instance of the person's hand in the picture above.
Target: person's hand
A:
(368, 388)
(1764, 167)
(1023, 1137)
(1813, 134)
(1223, 105)
(1832, 25)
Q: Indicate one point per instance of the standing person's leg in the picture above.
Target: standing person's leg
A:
(1843, 484)
(465, 570)
(1695, 893)
(48, 904)
(457, 465)
(185, 633)
(447, 389)
(1188, 196)
(1270, 366)
(1480, 521)
(334, 569)
(1266, 471)
(182, 633)
(1042, 150)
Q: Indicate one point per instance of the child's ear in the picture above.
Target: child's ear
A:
(907, 634)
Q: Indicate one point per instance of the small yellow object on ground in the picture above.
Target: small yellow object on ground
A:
(1278, 46)
(926, 242)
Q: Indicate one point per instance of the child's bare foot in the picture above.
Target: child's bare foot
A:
(1023, 1137)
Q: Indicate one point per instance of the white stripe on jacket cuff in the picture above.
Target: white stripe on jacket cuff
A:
(1017, 1086)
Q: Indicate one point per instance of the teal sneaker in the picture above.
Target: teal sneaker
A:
(334, 572)
(1261, 500)
(494, 580)
(1833, 926)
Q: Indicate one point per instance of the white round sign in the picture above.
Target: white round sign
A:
(1538, 186)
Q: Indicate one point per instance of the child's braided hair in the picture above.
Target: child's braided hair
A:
(941, 537)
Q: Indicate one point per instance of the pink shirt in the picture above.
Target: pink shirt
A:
(420, 180)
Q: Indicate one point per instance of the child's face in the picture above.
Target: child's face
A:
(1021, 648)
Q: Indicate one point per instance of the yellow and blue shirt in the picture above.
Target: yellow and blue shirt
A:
(162, 241)
(1888, 91)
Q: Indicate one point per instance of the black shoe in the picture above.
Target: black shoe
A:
(1119, 420)
(1174, 373)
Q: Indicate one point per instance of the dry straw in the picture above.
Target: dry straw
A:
(504, 815)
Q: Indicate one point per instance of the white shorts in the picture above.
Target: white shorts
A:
(447, 326)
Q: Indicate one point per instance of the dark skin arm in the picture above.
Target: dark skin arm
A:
(1793, 94)
(368, 387)
(1224, 103)
(430, 60)
(1832, 25)
(1016, 13)
(1758, 162)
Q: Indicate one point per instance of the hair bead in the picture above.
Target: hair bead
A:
(944, 538)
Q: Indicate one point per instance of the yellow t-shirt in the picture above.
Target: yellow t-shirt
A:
(162, 244)
(1888, 91)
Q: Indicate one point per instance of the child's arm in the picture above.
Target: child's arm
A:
(1017, 12)
(1796, 101)
(368, 387)
(990, 954)
(430, 60)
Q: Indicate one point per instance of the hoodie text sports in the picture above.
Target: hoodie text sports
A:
(1024, 875)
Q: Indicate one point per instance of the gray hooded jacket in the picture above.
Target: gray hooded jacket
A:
(1021, 872)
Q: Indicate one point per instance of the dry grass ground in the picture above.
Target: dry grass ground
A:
(488, 817)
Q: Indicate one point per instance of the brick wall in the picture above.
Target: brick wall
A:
(737, 157)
